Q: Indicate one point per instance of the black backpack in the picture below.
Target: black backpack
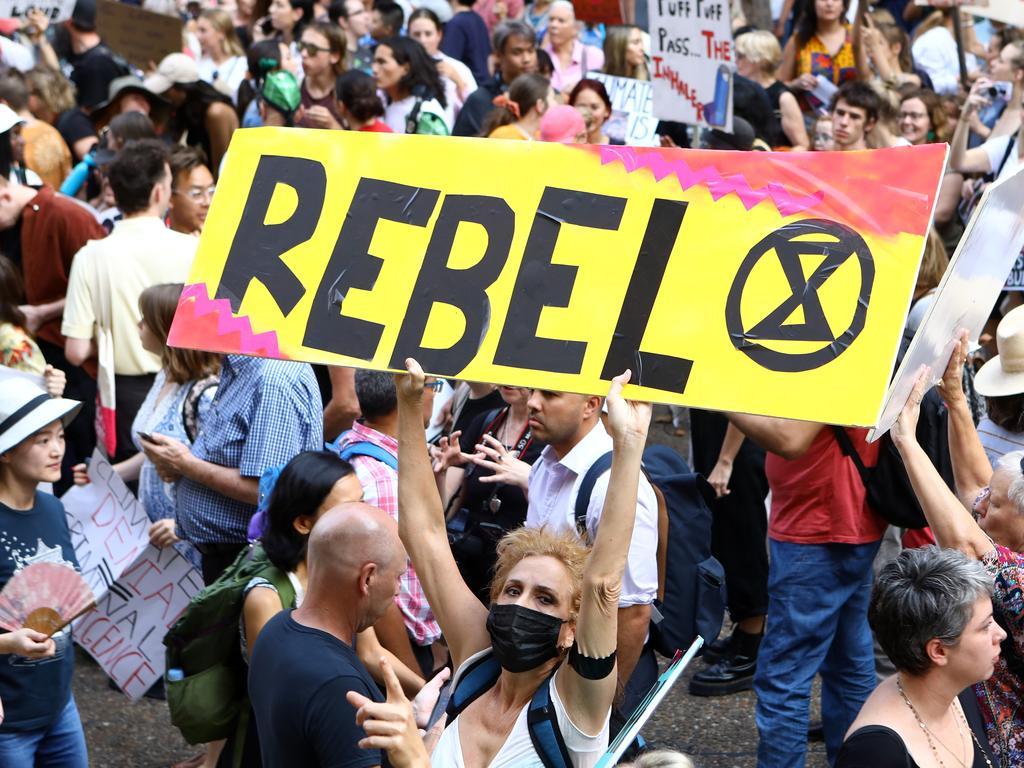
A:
(691, 581)
(886, 484)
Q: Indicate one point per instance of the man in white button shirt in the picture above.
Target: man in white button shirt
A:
(571, 426)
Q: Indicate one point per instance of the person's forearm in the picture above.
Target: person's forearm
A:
(953, 526)
(422, 516)
(971, 467)
(50, 310)
(392, 635)
(129, 469)
(618, 517)
(634, 622)
(783, 437)
(227, 481)
(370, 650)
(731, 444)
(958, 144)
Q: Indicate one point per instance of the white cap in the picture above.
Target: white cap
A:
(25, 409)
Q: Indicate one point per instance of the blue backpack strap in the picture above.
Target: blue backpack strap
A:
(361, 448)
(543, 726)
(480, 676)
(598, 468)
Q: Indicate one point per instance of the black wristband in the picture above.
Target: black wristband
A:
(588, 668)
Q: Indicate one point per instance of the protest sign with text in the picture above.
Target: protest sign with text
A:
(140, 590)
(109, 527)
(632, 121)
(759, 282)
(693, 62)
(969, 289)
(125, 633)
(55, 10)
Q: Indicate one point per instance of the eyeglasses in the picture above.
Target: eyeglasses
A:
(312, 50)
(195, 194)
(437, 385)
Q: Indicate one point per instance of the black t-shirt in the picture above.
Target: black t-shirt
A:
(470, 121)
(92, 72)
(298, 678)
(74, 124)
(35, 692)
(474, 408)
(477, 496)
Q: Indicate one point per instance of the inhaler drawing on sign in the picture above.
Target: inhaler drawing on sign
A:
(716, 113)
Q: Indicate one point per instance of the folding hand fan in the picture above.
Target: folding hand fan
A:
(45, 597)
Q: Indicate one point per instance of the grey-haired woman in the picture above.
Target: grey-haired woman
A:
(931, 611)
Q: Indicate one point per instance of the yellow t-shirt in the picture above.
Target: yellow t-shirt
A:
(139, 253)
(510, 131)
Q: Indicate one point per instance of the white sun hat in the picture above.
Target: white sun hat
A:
(25, 408)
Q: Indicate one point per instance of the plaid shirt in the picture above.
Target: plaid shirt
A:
(264, 413)
(380, 489)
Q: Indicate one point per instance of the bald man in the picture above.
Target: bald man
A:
(304, 664)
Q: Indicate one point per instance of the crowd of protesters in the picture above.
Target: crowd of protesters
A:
(436, 540)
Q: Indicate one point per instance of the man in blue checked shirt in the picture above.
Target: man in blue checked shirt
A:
(265, 412)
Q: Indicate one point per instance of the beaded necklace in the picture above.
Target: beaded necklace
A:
(928, 733)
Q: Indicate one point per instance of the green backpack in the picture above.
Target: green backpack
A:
(206, 675)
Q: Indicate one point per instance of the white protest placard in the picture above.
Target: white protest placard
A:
(1007, 11)
(109, 527)
(632, 121)
(140, 590)
(692, 54)
(1015, 281)
(125, 633)
(56, 10)
(964, 299)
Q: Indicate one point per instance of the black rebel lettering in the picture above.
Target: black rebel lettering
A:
(257, 247)
(353, 266)
(649, 369)
(542, 284)
(465, 289)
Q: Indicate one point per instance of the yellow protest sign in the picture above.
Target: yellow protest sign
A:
(767, 283)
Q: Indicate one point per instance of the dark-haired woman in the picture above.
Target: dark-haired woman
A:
(409, 79)
(425, 28)
(822, 44)
(360, 106)
(288, 18)
(309, 485)
(204, 115)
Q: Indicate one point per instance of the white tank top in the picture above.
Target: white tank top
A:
(518, 751)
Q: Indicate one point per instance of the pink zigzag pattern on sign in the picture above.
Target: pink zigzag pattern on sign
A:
(260, 344)
(785, 201)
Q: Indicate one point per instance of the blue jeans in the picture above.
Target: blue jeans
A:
(818, 598)
(61, 745)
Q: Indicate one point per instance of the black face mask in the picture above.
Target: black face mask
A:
(522, 638)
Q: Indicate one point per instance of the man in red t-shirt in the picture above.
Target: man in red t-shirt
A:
(42, 230)
(822, 539)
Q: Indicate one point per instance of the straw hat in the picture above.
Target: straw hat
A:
(1004, 373)
(25, 408)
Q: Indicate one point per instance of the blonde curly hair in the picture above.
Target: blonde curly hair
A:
(524, 542)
